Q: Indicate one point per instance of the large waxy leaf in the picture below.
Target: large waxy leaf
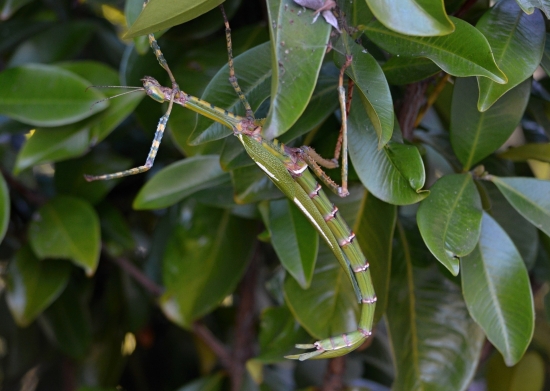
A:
(68, 324)
(530, 197)
(253, 69)
(413, 17)
(497, 291)
(52, 145)
(331, 292)
(67, 227)
(527, 375)
(529, 6)
(369, 78)
(329, 306)
(394, 173)
(528, 151)
(180, 180)
(520, 230)
(424, 308)
(476, 135)
(33, 285)
(163, 14)
(8, 7)
(450, 219)
(449, 51)
(204, 260)
(61, 42)
(252, 185)
(374, 228)
(407, 70)
(297, 46)
(545, 61)
(45, 95)
(279, 332)
(4, 207)
(294, 239)
(517, 41)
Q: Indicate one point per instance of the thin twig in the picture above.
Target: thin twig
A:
(138, 276)
(244, 328)
(213, 343)
(413, 100)
(334, 376)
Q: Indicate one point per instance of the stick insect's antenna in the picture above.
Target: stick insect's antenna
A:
(134, 89)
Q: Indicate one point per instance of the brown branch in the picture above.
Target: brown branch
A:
(412, 102)
(244, 328)
(465, 7)
(213, 343)
(134, 272)
(334, 376)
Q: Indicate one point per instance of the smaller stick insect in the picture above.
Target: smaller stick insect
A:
(288, 169)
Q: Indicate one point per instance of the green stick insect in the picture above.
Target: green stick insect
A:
(288, 169)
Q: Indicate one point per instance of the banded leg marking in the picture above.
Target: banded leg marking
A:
(360, 269)
(232, 76)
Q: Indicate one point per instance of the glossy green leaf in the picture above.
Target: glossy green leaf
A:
(252, 185)
(52, 145)
(180, 180)
(497, 291)
(61, 42)
(394, 173)
(207, 383)
(4, 207)
(32, 285)
(294, 239)
(449, 51)
(413, 17)
(119, 107)
(163, 14)
(45, 95)
(297, 44)
(521, 231)
(204, 260)
(8, 7)
(67, 227)
(450, 219)
(528, 151)
(374, 229)
(329, 306)
(529, 6)
(545, 61)
(530, 197)
(424, 308)
(67, 323)
(322, 104)
(253, 69)
(406, 70)
(517, 41)
(69, 174)
(369, 78)
(279, 332)
(527, 375)
(476, 135)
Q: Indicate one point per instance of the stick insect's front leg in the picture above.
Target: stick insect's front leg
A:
(175, 93)
(315, 161)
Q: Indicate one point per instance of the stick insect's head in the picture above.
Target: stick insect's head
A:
(153, 89)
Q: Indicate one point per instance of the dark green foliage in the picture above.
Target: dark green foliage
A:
(198, 275)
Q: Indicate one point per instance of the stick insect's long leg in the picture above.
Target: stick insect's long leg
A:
(160, 127)
(232, 77)
(315, 161)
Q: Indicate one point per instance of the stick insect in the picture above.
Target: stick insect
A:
(288, 169)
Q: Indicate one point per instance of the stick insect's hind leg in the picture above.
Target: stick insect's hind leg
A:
(315, 161)
(232, 77)
(160, 127)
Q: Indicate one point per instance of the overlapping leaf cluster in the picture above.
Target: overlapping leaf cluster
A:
(450, 200)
